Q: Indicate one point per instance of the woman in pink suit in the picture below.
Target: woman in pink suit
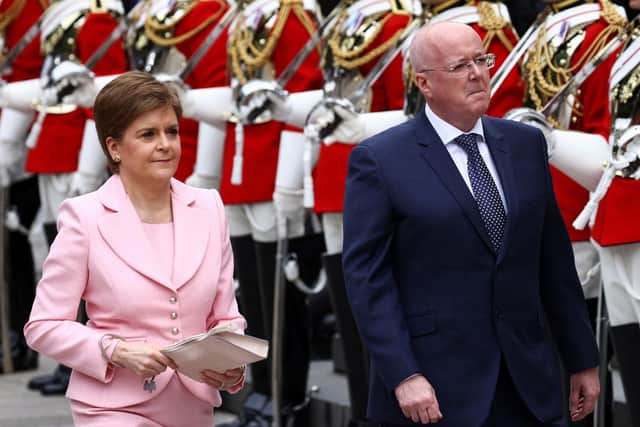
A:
(151, 258)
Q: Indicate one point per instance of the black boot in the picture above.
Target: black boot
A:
(626, 341)
(60, 383)
(356, 359)
(53, 381)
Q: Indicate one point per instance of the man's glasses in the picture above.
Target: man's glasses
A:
(488, 60)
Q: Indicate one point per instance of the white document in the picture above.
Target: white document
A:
(219, 349)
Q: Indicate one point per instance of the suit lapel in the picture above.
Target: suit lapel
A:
(501, 154)
(191, 233)
(432, 150)
(122, 230)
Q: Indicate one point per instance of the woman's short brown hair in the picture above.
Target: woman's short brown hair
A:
(126, 98)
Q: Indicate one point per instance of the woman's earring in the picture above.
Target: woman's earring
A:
(116, 158)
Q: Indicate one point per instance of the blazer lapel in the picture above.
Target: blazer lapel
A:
(191, 227)
(432, 150)
(501, 154)
(122, 231)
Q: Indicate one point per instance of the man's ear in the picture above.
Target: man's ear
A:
(423, 83)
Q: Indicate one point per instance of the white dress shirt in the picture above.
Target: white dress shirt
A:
(449, 133)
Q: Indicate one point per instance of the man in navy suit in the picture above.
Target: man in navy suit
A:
(456, 257)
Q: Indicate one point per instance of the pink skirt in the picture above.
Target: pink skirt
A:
(175, 406)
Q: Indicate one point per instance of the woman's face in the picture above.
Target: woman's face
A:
(149, 149)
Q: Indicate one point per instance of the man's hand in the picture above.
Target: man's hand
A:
(418, 401)
(585, 388)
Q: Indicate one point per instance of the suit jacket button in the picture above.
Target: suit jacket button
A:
(498, 314)
(174, 315)
(175, 331)
(173, 299)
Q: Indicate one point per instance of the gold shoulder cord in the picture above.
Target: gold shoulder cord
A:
(248, 55)
(353, 58)
(545, 79)
(494, 24)
(624, 91)
(160, 32)
(12, 12)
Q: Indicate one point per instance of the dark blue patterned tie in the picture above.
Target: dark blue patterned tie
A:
(484, 189)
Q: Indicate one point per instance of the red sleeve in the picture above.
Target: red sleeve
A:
(211, 70)
(29, 63)
(388, 90)
(594, 92)
(293, 38)
(97, 29)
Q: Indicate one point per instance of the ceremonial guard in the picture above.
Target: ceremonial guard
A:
(18, 22)
(262, 40)
(613, 211)
(573, 34)
(72, 32)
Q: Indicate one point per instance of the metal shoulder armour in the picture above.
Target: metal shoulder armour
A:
(63, 21)
(553, 60)
(358, 39)
(151, 43)
(256, 32)
(625, 90)
(494, 19)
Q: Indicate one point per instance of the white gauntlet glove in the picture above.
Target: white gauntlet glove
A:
(71, 83)
(92, 163)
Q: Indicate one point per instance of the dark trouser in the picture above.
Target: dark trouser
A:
(626, 341)
(20, 276)
(356, 359)
(508, 409)
(296, 340)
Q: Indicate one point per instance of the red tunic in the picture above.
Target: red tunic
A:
(60, 140)
(619, 211)
(28, 64)
(330, 174)
(210, 72)
(261, 142)
(595, 119)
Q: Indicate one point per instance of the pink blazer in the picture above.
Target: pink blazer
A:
(102, 255)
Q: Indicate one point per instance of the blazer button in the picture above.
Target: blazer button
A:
(173, 300)
(175, 331)
(498, 314)
(174, 315)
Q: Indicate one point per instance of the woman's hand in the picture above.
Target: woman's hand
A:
(232, 380)
(145, 360)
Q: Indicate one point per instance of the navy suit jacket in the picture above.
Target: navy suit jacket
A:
(430, 295)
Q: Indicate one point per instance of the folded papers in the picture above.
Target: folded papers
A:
(219, 349)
